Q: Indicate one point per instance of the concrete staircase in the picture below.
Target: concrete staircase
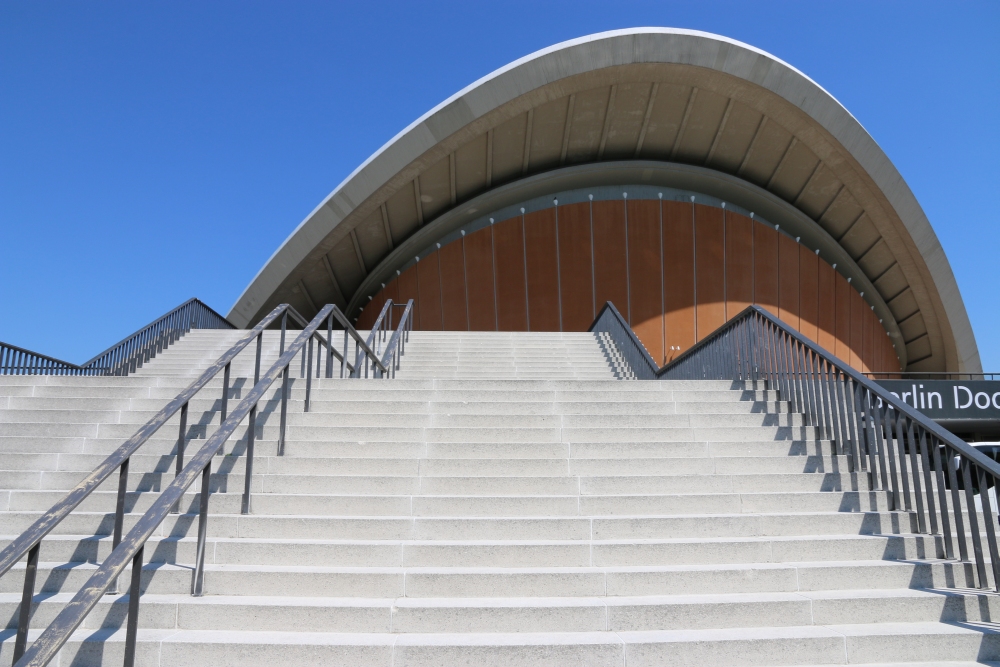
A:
(503, 501)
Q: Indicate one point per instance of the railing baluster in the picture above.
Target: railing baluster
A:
(956, 505)
(120, 511)
(942, 494)
(27, 598)
(918, 493)
(198, 578)
(988, 522)
(928, 485)
(132, 624)
(181, 439)
(308, 373)
(970, 506)
(225, 394)
(284, 412)
(248, 473)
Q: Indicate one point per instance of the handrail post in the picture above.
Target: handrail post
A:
(27, 596)
(180, 448)
(343, 361)
(309, 365)
(256, 368)
(329, 346)
(119, 514)
(198, 578)
(284, 324)
(225, 394)
(284, 412)
(248, 473)
(132, 625)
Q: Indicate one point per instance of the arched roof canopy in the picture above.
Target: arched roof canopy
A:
(690, 102)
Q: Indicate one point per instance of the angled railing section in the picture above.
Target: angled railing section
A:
(379, 331)
(920, 466)
(130, 547)
(611, 323)
(123, 357)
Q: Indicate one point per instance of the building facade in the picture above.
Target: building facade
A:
(680, 175)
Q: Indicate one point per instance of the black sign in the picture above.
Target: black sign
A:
(959, 405)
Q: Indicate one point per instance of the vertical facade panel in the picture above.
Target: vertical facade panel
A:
(645, 275)
(765, 268)
(788, 281)
(508, 240)
(453, 297)
(479, 276)
(575, 267)
(610, 266)
(543, 277)
(826, 307)
(893, 365)
(808, 293)
(407, 282)
(678, 276)
(739, 263)
(391, 291)
(857, 328)
(710, 292)
(868, 355)
(429, 288)
(843, 296)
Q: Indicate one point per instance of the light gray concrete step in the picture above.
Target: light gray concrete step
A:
(812, 645)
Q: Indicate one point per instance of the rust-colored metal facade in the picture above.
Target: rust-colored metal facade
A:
(675, 270)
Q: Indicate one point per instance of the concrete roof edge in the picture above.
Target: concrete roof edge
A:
(696, 48)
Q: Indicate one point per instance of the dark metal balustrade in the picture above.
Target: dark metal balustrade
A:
(123, 357)
(130, 547)
(920, 466)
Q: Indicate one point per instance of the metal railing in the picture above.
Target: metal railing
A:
(383, 324)
(921, 467)
(611, 322)
(129, 549)
(29, 542)
(16, 360)
(930, 375)
(123, 357)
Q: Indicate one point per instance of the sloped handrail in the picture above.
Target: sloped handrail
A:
(126, 355)
(611, 322)
(16, 360)
(29, 541)
(918, 464)
(130, 548)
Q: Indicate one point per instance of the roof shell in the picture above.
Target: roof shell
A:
(735, 109)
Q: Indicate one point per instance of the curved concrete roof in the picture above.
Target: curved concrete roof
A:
(646, 94)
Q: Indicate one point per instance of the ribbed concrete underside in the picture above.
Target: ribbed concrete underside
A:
(503, 501)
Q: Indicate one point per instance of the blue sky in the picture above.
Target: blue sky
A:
(155, 151)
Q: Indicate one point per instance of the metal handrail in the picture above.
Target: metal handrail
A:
(377, 333)
(931, 375)
(16, 360)
(395, 348)
(918, 464)
(611, 322)
(126, 355)
(131, 546)
(29, 541)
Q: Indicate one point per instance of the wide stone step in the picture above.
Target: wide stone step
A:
(508, 553)
(492, 528)
(538, 614)
(451, 582)
(812, 645)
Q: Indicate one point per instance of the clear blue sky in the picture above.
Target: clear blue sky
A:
(155, 151)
